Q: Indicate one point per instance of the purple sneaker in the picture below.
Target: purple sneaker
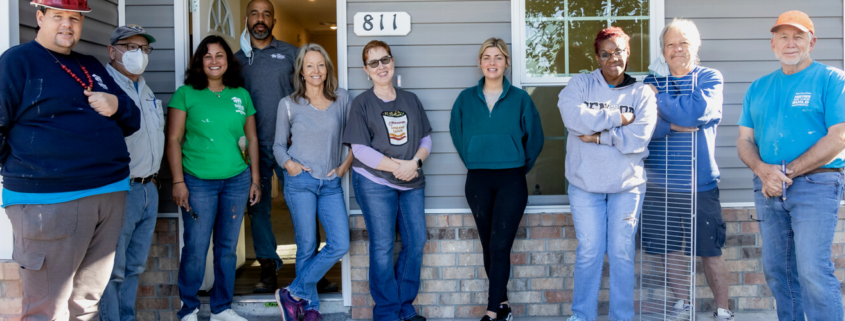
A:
(313, 315)
(290, 307)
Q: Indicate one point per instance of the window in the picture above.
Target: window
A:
(220, 18)
(552, 41)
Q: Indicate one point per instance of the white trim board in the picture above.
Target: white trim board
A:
(121, 13)
(343, 82)
(551, 209)
(180, 40)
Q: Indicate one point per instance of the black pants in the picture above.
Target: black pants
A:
(497, 199)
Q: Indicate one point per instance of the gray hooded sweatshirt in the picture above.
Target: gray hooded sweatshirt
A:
(588, 106)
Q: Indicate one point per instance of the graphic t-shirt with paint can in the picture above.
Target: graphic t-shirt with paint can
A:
(213, 127)
(392, 128)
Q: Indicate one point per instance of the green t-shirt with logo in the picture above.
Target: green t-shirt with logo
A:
(212, 130)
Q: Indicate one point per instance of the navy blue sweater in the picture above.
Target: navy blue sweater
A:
(51, 140)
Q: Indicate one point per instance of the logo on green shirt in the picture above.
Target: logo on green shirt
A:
(239, 107)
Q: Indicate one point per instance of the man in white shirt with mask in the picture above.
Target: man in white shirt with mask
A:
(129, 52)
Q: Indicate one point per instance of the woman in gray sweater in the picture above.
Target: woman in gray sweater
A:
(610, 118)
(313, 118)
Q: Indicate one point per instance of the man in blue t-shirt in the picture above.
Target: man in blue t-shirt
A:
(65, 165)
(795, 116)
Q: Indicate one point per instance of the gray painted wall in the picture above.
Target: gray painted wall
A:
(736, 41)
(96, 28)
(156, 16)
(437, 60)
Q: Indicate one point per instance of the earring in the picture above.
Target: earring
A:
(368, 77)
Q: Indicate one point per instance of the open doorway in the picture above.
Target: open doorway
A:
(297, 22)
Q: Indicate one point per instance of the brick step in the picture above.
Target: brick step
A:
(262, 307)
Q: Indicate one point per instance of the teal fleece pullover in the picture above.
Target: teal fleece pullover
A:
(509, 136)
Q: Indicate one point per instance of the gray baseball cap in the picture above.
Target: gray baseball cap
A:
(127, 31)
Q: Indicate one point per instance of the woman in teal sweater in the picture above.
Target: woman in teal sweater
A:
(496, 130)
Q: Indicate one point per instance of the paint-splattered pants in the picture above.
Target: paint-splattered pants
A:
(217, 205)
(604, 223)
(66, 254)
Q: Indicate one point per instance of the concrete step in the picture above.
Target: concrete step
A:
(262, 307)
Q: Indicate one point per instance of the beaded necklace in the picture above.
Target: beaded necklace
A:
(70, 72)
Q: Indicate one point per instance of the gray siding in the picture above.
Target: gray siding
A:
(96, 28)
(736, 41)
(156, 16)
(436, 61)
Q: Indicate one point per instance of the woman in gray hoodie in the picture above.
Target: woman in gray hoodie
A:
(610, 118)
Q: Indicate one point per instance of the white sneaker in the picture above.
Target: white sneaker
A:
(227, 315)
(723, 315)
(680, 311)
(192, 316)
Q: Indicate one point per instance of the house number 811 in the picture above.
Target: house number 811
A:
(374, 24)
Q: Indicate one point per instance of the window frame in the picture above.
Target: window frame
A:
(552, 203)
(656, 22)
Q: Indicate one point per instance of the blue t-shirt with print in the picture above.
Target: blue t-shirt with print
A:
(790, 113)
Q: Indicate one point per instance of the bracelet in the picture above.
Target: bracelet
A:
(598, 139)
(182, 182)
(256, 185)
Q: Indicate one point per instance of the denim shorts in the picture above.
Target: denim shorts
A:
(664, 233)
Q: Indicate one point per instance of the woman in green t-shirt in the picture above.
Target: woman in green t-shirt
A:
(211, 173)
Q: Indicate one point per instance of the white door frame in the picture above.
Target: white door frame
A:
(9, 37)
(181, 10)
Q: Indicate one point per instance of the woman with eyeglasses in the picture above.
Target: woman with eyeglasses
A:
(215, 172)
(496, 129)
(389, 134)
(610, 118)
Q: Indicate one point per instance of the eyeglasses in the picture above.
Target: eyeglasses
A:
(133, 47)
(384, 61)
(618, 53)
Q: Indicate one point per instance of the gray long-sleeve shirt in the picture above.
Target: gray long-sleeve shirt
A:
(268, 77)
(588, 106)
(316, 135)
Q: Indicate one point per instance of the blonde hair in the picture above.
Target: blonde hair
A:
(687, 28)
(330, 84)
(498, 43)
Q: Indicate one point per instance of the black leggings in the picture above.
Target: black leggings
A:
(497, 199)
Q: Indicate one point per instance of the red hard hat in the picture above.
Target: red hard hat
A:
(68, 5)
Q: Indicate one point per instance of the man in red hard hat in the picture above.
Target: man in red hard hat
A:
(64, 163)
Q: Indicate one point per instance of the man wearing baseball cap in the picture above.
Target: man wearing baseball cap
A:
(795, 117)
(65, 165)
(129, 50)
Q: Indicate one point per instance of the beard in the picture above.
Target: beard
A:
(260, 35)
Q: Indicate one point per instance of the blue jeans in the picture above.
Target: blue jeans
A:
(393, 287)
(208, 198)
(263, 239)
(308, 199)
(797, 235)
(604, 223)
(130, 258)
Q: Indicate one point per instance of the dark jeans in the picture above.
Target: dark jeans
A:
(393, 287)
(208, 198)
(497, 199)
(263, 239)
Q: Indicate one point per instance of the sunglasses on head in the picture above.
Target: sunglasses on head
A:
(384, 61)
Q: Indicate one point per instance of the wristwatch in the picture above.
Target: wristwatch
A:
(419, 162)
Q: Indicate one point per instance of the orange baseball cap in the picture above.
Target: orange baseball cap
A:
(796, 19)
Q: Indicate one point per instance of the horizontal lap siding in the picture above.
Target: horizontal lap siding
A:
(156, 16)
(436, 61)
(736, 41)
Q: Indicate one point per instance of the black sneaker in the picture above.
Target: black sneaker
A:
(486, 318)
(504, 313)
(416, 318)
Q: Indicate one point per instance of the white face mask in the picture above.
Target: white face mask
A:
(246, 44)
(134, 61)
(659, 67)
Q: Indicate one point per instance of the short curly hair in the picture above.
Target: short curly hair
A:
(611, 32)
